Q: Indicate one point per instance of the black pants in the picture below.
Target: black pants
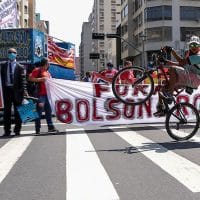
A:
(9, 100)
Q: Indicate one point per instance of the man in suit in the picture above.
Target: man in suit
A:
(13, 78)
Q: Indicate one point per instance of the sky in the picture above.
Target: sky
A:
(65, 17)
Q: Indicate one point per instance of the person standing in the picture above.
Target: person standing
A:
(87, 77)
(39, 75)
(13, 76)
(109, 72)
(127, 77)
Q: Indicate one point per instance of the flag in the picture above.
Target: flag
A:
(8, 14)
(60, 56)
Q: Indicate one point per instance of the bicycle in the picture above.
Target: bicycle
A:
(182, 119)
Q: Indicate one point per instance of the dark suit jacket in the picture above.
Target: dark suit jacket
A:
(19, 80)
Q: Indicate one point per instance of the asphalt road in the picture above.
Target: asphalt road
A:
(135, 162)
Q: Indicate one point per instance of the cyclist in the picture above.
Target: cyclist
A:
(184, 72)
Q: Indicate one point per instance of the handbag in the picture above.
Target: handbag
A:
(27, 111)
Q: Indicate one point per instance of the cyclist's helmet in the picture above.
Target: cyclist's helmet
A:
(194, 42)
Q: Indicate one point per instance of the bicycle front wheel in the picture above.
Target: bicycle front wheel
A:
(182, 121)
(133, 85)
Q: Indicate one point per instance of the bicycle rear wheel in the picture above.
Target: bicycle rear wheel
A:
(133, 85)
(182, 121)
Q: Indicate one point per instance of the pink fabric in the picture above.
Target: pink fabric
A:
(188, 79)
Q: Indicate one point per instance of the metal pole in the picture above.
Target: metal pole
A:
(143, 51)
(143, 54)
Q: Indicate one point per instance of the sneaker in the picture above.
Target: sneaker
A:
(159, 113)
(52, 129)
(166, 95)
(37, 131)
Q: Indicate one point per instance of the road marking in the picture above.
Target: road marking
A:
(185, 171)
(11, 152)
(86, 177)
(27, 132)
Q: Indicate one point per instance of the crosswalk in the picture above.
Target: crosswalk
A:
(98, 160)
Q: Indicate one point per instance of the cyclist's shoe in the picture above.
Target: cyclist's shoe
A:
(167, 96)
(159, 113)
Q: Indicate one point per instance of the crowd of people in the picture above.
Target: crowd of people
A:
(184, 72)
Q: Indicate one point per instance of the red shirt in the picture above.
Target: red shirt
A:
(109, 73)
(127, 77)
(39, 73)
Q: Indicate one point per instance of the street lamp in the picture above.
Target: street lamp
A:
(111, 35)
(101, 36)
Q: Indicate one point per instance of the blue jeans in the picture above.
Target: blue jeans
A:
(47, 109)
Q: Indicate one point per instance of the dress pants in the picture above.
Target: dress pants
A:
(9, 100)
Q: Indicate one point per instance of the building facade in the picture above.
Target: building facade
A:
(156, 23)
(85, 50)
(104, 19)
(28, 18)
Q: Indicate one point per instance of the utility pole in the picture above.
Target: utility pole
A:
(143, 36)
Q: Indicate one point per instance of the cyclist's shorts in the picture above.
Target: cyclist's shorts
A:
(187, 77)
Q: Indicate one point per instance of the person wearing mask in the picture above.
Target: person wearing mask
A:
(39, 75)
(13, 77)
(183, 73)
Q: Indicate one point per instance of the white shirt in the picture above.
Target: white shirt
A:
(13, 65)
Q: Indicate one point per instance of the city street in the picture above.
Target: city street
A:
(127, 162)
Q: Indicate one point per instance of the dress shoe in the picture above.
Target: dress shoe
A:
(5, 135)
(17, 134)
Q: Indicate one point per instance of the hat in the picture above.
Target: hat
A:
(194, 39)
(109, 64)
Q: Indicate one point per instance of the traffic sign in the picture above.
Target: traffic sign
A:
(94, 55)
(98, 36)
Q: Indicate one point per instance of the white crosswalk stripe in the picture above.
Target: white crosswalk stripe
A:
(11, 152)
(85, 171)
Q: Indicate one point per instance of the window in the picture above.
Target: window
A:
(124, 46)
(101, 27)
(158, 13)
(124, 29)
(124, 12)
(25, 23)
(101, 2)
(189, 13)
(138, 21)
(137, 4)
(188, 31)
(25, 10)
(157, 34)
